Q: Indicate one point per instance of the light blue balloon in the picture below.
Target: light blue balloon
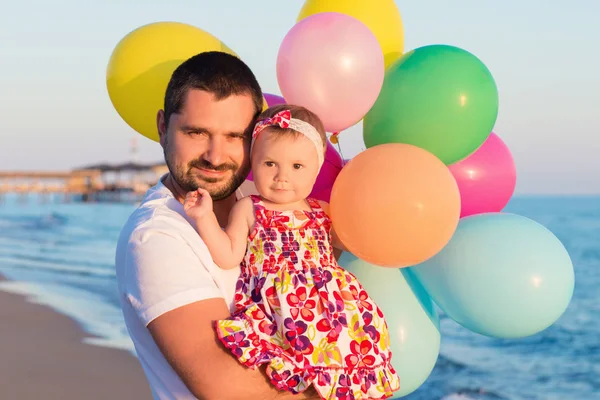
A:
(412, 319)
(501, 275)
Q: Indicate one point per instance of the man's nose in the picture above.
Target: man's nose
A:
(215, 153)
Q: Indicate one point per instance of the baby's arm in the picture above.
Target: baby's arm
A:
(335, 241)
(228, 247)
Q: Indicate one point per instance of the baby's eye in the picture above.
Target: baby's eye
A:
(269, 163)
(297, 166)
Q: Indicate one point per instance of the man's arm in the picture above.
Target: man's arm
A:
(187, 338)
(177, 299)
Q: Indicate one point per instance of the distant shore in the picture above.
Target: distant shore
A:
(42, 356)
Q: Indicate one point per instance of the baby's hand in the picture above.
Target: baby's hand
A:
(198, 204)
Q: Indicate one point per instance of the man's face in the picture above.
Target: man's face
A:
(206, 144)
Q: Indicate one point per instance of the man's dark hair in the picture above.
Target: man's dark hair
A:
(219, 73)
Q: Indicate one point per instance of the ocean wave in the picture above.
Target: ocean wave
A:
(45, 221)
(8, 262)
(57, 257)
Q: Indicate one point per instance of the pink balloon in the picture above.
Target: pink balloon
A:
(273, 99)
(486, 179)
(332, 64)
(329, 171)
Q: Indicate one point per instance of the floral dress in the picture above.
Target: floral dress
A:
(299, 312)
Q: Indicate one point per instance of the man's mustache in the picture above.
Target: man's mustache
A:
(203, 164)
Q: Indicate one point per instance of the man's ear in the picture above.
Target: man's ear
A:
(162, 127)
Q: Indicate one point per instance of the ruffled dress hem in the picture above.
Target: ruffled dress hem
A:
(332, 383)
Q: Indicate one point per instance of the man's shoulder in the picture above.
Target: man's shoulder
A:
(158, 213)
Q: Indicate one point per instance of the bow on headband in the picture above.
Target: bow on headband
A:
(281, 119)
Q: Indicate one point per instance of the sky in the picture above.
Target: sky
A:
(55, 113)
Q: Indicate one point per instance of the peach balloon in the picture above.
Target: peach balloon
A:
(395, 205)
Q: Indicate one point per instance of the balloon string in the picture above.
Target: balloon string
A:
(334, 140)
(340, 150)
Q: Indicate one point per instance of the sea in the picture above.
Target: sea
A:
(61, 253)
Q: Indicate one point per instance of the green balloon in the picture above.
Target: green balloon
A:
(440, 98)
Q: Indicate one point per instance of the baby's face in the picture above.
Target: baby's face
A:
(284, 167)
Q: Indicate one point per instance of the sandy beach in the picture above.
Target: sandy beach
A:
(42, 357)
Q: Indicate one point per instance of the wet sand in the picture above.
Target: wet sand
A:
(42, 356)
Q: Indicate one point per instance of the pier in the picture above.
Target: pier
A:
(95, 183)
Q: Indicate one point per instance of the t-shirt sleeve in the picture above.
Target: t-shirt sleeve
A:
(163, 273)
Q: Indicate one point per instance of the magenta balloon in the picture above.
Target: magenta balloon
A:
(323, 195)
(329, 171)
(332, 64)
(328, 174)
(486, 179)
(273, 99)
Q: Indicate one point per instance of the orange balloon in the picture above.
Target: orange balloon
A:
(395, 205)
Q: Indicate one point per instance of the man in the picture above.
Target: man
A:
(170, 289)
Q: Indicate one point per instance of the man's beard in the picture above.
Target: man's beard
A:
(188, 182)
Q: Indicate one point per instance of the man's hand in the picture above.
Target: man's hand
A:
(187, 338)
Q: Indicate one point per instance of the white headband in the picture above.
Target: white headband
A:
(283, 119)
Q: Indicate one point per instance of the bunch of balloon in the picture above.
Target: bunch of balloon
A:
(333, 61)
(498, 274)
(425, 197)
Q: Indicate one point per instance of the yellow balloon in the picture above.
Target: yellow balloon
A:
(141, 65)
(381, 16)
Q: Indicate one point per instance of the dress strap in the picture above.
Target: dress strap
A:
(314, 204)
(259, 207)
(257, 201)
(259, 217)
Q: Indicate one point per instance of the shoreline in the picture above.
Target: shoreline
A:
(44, 354)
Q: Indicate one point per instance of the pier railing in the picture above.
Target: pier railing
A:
(94, 183)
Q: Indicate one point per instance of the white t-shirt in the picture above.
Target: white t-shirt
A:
(162, 264)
